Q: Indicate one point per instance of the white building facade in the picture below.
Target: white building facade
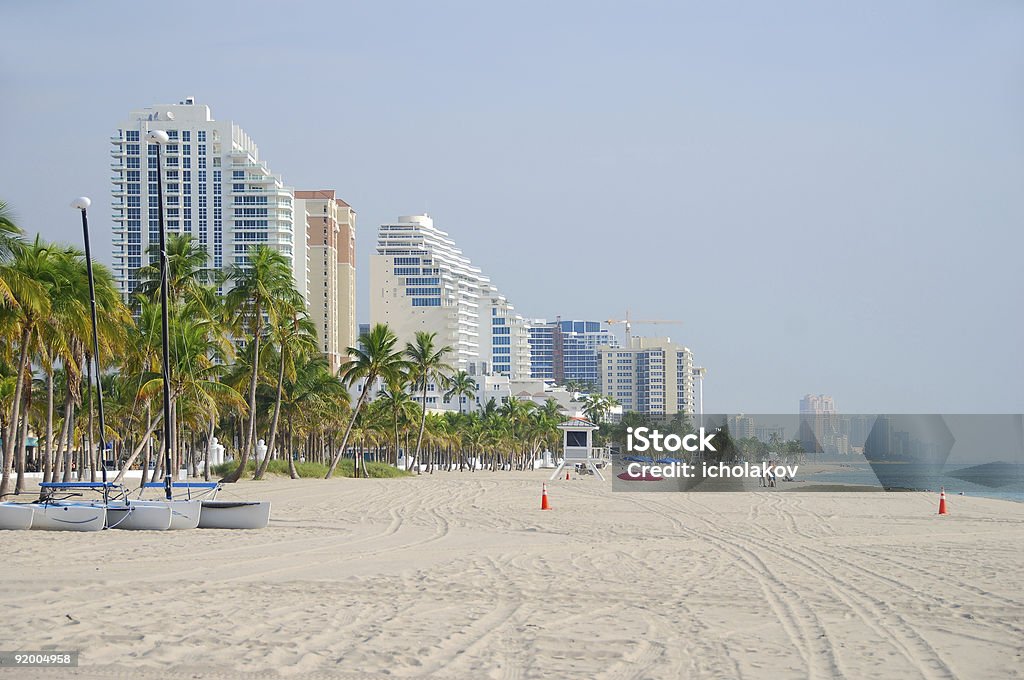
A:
(507, 337)
(420, 281)
(216, 188)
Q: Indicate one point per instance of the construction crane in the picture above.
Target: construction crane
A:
(629, 325)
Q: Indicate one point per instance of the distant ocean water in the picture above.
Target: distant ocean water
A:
(861, 473)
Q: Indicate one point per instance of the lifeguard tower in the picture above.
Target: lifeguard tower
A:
(578, 446)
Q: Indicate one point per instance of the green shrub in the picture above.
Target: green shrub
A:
(312, 470)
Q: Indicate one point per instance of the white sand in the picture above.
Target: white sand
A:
(462, 576)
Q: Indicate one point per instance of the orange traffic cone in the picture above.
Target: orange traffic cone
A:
(544, 498)
(567, 475)
(942, 502)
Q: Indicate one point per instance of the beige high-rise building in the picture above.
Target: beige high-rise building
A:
(653, 376)
(331, 280)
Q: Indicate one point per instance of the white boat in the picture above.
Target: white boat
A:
(234, 515)
(185, 514)
(138, 517)
(68, 516)
(16, 515)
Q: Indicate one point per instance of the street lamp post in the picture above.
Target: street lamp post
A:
(159, 137)
(82, 204)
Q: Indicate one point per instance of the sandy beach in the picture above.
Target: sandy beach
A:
(462, 576)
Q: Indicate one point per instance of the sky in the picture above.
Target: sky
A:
(827, 195)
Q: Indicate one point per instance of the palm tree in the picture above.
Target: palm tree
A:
(260, 285)
(294, 335)
(461, 385)
(376, 358)
(189, 279)
(596, 407)
(426, 362)
(516, 413)
(10, 244)
(309, 397)
(401, 407)
(31, 277)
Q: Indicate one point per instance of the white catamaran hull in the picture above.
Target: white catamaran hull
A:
(16, 515)
(184, 514)
(235, 515)
(68, 517)
(136, 517)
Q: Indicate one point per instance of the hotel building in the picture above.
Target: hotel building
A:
(420, 281)
(330, 279)
(216, 188)
(653, 376)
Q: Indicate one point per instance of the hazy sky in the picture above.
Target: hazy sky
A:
(830, 195)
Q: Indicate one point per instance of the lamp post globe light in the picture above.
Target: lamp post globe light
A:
(82, 204)
(159, 137)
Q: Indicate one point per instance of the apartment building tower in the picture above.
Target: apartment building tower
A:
(216, 189)
(329, 254)
(653, 376)
(565, 350)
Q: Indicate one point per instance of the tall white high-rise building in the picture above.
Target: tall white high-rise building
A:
(216, 188)
(653, 376)
(420, 281)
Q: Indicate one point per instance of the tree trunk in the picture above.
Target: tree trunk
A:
(12, 422)
(262, 469)
(292, 472)
(69, 445)
(423, 425)
(138, 449)
(209, 444)
(348, 430)
(250, 441)
(48, 452)
(19, 483)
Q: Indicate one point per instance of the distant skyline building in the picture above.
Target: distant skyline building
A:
(820, 430)
(216, 189)
(653, 376)
(566, 350)
(328, 252)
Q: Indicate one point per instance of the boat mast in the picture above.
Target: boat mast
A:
(159, 137)
(83, 206)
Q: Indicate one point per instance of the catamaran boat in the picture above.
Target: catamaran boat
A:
(80, 515)
(234, 514)
(68, 516)
(202, 510)
(16, 515)
(184, 513)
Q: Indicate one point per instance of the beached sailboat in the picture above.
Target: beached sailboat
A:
(235, 514)
(16, 515)
(67, 516)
